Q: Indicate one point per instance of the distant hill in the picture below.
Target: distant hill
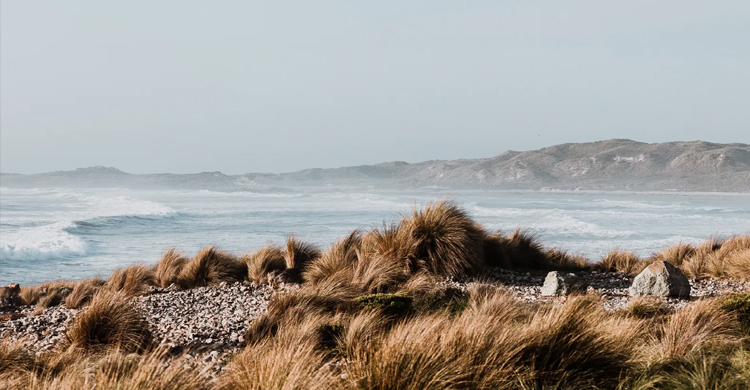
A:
(605, 165)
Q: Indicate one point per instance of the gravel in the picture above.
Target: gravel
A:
(206, 325)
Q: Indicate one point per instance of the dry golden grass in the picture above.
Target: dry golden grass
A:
(264, 263)
(277, 364)
(109, 322)
(388, 242)
(168, 268)
(445, 240)
(82, 293)
(620, 261)
(14, 357)
(691, 328)
(339, 256)
(298, 255)
(46, 294)
(211, 266)
(322, 335)
(675, 254)
(645, 308)
(131, 281)
(114, 370)
(715, 258)
(561, 260)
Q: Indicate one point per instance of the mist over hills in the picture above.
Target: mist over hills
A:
(617, 164)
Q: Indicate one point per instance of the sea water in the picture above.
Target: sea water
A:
(48, 234)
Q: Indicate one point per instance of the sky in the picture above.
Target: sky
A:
(278, 86)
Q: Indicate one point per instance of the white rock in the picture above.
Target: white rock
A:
(661, 279)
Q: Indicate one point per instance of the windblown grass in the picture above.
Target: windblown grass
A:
(132, 280)
(374, 311)
(341, 255)
(298, 256)
(264, 264)
(211, 266)
(444, 240)
(109, 322)
(620, 261)
(169, 267)
(83, 292)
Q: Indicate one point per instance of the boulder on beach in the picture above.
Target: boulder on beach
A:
(9, 296)
(661, 279)
(562, 283)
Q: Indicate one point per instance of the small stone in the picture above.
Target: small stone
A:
(560, 283)
(661, 279)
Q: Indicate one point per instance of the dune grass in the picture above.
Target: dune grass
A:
(371, 313)
(264, 264)
(109, 322)
(211, 266)
(169, 267)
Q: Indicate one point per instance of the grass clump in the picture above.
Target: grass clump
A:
(211, 266)
(14, 357)
(343, 254)
(620, 261)
(83, 292)
(168, 269)
(109, 322)
(645, 308)
(297, 256)
(264, 264)
(445, 241)
(131, 281)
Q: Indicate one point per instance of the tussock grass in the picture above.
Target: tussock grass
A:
(264, 264)
(167, 270)
(620, 261)
(339, 329)
(645, 308)
(298, 255)
(341, 255)
(82, 293)
(113, 370)
(676, 254)
(444, 240)
(700, 324)
(14, 357)
(132, 280)
(211, 266)
(276, 365)
(564, 261)
(713, 258)
(109, 322)
(46, 294)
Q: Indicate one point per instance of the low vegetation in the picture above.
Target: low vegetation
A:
(371, 313)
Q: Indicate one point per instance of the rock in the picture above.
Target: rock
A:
(9, 296)
(562, 283)
(661, 279)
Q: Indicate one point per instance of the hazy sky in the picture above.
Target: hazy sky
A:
(189, 86)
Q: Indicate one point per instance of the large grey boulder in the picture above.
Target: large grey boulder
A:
(661, 279)
(562, 283)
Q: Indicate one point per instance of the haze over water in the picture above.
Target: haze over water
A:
(48, 234)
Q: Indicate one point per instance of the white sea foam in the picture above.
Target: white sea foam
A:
(42, 242)
(54, 238)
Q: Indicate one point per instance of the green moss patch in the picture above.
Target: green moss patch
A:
(739, 305)
(389, 304)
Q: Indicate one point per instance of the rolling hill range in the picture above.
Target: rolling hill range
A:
(605, 165)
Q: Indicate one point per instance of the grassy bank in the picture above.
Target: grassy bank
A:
(370, 313)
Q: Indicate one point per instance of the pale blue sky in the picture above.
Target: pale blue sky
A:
(239, 86)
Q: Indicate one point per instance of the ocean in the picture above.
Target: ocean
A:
(48, 234)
